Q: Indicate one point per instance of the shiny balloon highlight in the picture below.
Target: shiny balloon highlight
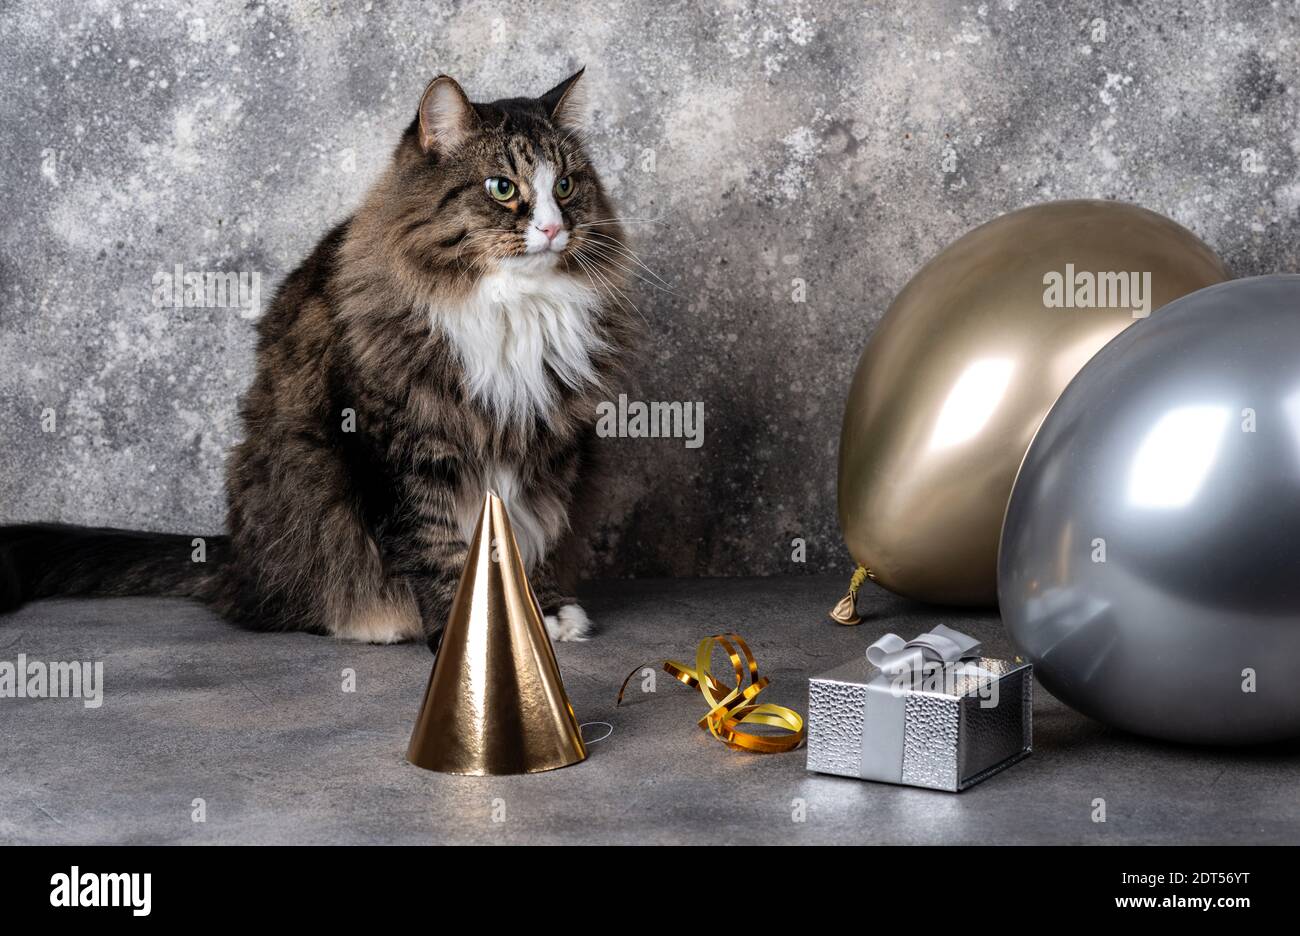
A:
(964, 365)
(1150, 558)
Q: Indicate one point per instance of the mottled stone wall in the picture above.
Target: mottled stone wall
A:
(835, 145)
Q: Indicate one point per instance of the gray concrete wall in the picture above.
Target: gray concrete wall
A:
(839, 144)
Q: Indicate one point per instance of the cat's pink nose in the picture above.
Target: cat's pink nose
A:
(550, 230)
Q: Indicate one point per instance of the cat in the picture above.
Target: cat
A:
(453, 336)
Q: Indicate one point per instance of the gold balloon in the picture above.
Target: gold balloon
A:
(965, 364)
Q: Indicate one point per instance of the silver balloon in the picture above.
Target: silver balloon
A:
(1150, 555)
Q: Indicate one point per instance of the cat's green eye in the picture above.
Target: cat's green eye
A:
(500, 188)
(564, 188)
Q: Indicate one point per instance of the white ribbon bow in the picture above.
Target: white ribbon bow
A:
(891, 654)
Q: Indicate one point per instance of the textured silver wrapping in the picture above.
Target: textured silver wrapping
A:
(950, 742)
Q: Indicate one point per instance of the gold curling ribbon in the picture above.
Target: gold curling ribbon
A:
(730, 707)
(846, 610)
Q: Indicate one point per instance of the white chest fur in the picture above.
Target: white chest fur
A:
(537, 520)
(522, 324)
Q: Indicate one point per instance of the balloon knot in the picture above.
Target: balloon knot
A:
(846, 612)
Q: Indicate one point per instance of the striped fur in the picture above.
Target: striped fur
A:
(427, 350)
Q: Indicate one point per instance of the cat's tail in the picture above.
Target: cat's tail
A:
(48, 560)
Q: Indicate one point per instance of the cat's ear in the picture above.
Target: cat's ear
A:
(447, 118)
(566, 103)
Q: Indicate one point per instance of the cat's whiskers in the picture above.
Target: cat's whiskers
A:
(498, 250)
(618, 247)
(460, 249)
(469, 238)
(619, 262)
(610, 221)
(596, 254)
(598, 282)
(618, 296)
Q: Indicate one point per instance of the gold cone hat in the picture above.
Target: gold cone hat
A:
(495, 703)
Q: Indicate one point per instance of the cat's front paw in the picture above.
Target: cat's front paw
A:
(569, 623)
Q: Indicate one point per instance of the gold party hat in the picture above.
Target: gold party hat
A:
(495, 703)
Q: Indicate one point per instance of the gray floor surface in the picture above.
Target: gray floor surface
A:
(258, 727)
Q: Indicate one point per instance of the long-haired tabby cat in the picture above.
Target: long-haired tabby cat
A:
(451, 337)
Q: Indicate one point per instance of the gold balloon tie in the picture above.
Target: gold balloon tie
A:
(846, 611)
(730, 707)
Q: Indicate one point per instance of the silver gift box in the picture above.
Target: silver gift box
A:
(935, 738)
